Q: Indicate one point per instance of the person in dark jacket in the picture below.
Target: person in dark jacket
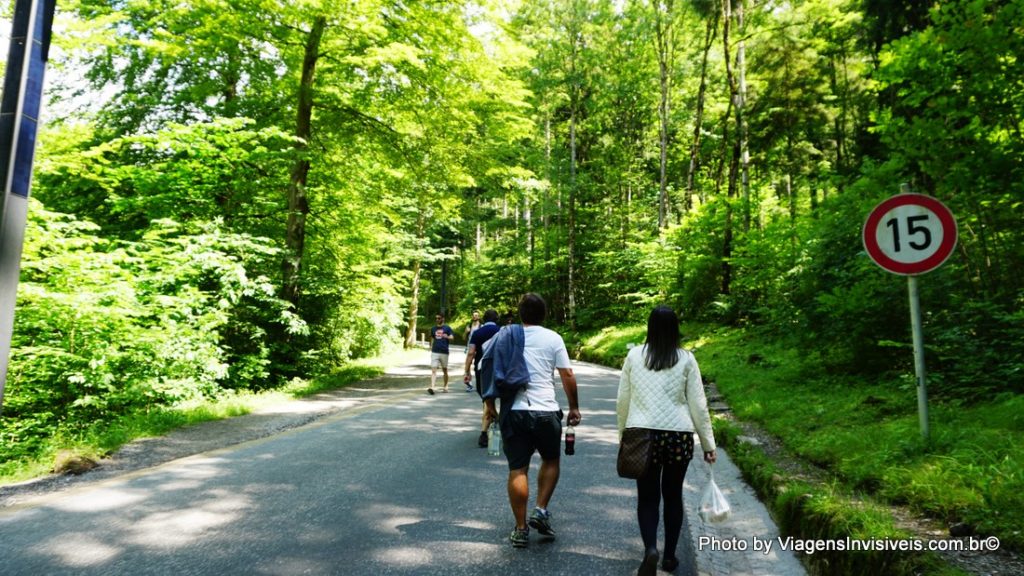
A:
(474, 351)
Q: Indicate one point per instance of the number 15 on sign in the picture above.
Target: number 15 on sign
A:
(911, 234)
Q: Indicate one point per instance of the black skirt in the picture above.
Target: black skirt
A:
(671, 447)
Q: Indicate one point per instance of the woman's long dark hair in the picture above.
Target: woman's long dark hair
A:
(662, 339)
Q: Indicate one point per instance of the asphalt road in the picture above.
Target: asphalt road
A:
(393, 487)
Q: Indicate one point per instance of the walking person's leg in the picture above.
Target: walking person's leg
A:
(485, 420)
(548, 439)
(547, 480)
(519, 494)
(673, 475)
(485, 423)
(518, 447)
(434, 362)
(672, 493)
(648, 502)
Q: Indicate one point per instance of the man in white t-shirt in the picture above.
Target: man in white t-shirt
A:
(535, 421)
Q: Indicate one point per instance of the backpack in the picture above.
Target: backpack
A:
(503, 370)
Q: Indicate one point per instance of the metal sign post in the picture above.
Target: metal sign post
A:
(19, 121)
(911, 234)
(922, 383)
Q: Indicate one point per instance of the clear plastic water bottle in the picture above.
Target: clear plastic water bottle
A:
(570, 441)
(493, 440)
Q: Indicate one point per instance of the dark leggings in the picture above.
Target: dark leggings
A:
(664, 480)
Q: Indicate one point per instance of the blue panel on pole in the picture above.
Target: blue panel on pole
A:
(18, 132)
(23, 158)
(40, 23)
(34, 82)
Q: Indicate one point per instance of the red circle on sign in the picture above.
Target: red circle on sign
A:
(946, 220)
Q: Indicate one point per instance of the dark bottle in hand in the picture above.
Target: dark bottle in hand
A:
(570, 441)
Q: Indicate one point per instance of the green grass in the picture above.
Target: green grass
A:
(104, 438)
(866, 433)
(609, 346)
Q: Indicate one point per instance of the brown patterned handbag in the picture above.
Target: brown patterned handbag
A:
(634, 453)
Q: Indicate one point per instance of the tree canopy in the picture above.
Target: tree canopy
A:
(245, 191)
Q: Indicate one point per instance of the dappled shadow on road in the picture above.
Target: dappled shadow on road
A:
(393, 483)
(333, 506)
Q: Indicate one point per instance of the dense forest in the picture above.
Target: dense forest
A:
(229, 194)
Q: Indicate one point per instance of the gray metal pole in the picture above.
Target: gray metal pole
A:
(19, 122)
(922, 384)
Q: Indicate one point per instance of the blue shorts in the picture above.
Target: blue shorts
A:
(527, 431)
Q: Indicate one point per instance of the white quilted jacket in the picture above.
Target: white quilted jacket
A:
(671, 399)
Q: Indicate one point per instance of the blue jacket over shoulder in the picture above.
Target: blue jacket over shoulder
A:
(503, 367)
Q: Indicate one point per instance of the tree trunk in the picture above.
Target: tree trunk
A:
(414, 305)
(575, 103)
(698, 122)
(841, 119)
(414, 299)
(479, 235)
(741, 116)
(298, 204)
(627, 202)
(531, 231)
(791, 198)
(545, 205)
(727, 250)
(663, 36)
(723, 156)
(727, 234)
(572, 220)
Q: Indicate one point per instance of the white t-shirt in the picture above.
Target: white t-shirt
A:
(544, 351)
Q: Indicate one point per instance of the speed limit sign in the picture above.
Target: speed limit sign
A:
(910, 234)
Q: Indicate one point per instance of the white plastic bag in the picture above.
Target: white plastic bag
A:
(713, 505)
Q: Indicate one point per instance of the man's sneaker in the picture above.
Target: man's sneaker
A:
(520, 537)
(541, 520)
(482, 441)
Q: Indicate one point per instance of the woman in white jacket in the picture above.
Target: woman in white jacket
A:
(661, 390)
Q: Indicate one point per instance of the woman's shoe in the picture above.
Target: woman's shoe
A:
(649, 567)
(670, 564)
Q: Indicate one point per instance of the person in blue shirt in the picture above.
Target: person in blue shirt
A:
(441, 336)
(474, 351)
